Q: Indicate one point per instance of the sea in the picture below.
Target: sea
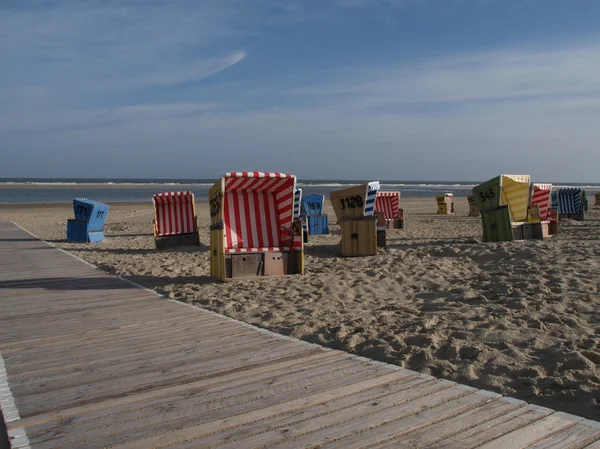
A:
(63, 190)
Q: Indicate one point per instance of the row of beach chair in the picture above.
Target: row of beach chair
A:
(514, 208)
(259, 221)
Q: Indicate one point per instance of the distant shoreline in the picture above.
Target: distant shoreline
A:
(132, 204)
(94, 186)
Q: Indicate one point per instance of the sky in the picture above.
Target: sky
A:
(324, 89)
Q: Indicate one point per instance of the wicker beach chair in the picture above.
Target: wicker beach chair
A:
(253, 231)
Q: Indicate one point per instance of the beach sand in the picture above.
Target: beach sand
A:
(520, 318)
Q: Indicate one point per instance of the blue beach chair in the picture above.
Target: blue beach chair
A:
(88, 224)
(312, 209)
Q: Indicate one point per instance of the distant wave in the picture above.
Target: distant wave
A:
(432, 186)
(409, 186)
(384, 185)
(334, 184)
(111, 183)
(591, 186)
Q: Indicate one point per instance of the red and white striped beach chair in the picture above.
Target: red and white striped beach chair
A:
(253, 231)
(389, 204)
(175, 222)
(540, 210)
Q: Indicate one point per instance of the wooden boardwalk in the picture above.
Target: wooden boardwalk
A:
(92, 361)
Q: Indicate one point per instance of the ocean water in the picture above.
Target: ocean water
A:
(63, 190)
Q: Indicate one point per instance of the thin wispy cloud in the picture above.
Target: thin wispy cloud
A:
(110, 44)
(513, 75)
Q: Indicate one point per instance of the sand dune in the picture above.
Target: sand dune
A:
(520, 318)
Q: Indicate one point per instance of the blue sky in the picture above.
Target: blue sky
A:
(355, 89)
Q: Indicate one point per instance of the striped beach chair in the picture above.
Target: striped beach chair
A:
(298, 213)
(541, 216)
(88, 224)
(354, 208)
(175, 222)
(445, 204)
(253, 231)
(312, 211)
(571, 203)
(503, 203)
(297, 203)
(541, 197)
(389, 204)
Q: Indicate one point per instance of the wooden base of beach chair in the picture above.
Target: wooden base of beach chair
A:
(173, 241)
(318, 224)
(552, 228)
(445, 209)
(546, 230)
(576, 217)
(394, 224)
(473, 210)
(359, 236)
(532, 231)
(78, 231)
(381, 239)
(517, 232)
(497, 226)
(381, 229)
(275, 263)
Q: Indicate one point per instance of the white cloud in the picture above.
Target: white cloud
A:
(514, 75)
(116, 44)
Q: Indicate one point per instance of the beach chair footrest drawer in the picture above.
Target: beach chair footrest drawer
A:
(394, 224)
(532, 231)
(173, 241)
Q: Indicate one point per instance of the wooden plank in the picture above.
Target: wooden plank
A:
(109, 333)
(493, 429)
(422, 434)
(177, 334)
(205, 406)
(235, 420)
(533, 432)
(135, 406)
(307, 358)
(98, 365)
(402, 391)
(109, 387)
(334, 406)
(84, 344)
(205, 412)
(574, 437)
(401, 416)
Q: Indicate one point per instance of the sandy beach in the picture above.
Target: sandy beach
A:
(520, 318)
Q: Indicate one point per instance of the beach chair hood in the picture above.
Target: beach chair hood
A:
(389, 204)
(174, 213)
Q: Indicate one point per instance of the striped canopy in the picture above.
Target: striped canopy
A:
(297, 203)
(541, 197)
(258, 211)
(515, 194)
(174, 213)
(570, 201)
(372, 189)
(312, 204)
(389, 204)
